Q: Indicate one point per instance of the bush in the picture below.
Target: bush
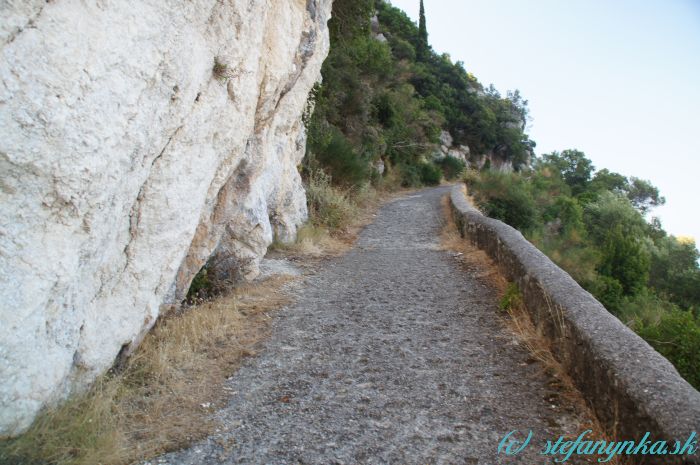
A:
(338, 158)
(512, 299)
(328, 206)
(625, 260)
(677, 337)
(609, 292)
(201, 285)
(505, 196)
(410, 175)
(430, 175)
(452, 167)
(402, 49)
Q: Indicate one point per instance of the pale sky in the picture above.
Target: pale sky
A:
(619, 80)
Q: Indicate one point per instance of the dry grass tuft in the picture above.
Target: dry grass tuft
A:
(518, 321)
(336, 218)
(164, 396)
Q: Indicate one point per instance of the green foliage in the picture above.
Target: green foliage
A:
(390, 100)
(430, 175)
(609, 292)
(609, 211)
(402, 49)
(575, 169)
(674, 272)
(422, 33)
(350, 19)
(338, 157)
(483, 120)
(625, 260)
(606, 180)
(677, 337)
(415, 175)
(505, 196)
(452, 167)
(201, 285)
(329, 207)
(512, 298)
(593, 227)
(643, 195)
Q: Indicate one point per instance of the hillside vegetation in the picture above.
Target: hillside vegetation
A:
(593, 225)
(376, 121)
(386, 98)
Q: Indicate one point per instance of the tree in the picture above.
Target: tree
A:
(350, 18)
(519, 106)
(610, 210)
(575, 168)
(644, 195)
(625, 260)
(422, 33)
(609, 181)
(675, 272)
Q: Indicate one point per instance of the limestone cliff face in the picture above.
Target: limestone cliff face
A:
(127, 161)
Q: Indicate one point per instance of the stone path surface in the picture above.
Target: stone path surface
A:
(392, 353)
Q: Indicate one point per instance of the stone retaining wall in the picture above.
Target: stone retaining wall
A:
(630, 386)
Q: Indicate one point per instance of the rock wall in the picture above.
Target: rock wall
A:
(128, 159)
(631, 387)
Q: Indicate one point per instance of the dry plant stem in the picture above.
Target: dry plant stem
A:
(519, 322)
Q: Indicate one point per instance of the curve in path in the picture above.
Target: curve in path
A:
(393, 353)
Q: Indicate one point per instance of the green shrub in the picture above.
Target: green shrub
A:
(512, 298)
(677, 337)
(625, 260)
(328, 206)
(452, 167)
(410, 175)
(338, 158)
(402, 49)
(568, 250)
(201, 285)
(609, 292)
(505, 196)
(430, 175)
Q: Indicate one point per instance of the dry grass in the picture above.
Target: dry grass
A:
(518, 321)
(163, 397)
(320, 238)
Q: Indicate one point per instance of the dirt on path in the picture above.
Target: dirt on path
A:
(392, 353)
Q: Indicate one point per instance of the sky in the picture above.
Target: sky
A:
(618, 80)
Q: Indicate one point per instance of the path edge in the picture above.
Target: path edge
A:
(632, 388)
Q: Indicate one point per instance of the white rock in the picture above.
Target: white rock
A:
(125, 164)
(381, 38)
(374, 24)
(458, 154)
(379, 166)
(438, 155)
(446, 139)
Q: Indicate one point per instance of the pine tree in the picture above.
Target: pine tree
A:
(422, 34)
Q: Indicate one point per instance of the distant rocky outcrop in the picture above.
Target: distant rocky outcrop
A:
(446, 148)
(491, 160)
(138, 141)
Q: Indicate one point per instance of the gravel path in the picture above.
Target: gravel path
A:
(393, 353)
